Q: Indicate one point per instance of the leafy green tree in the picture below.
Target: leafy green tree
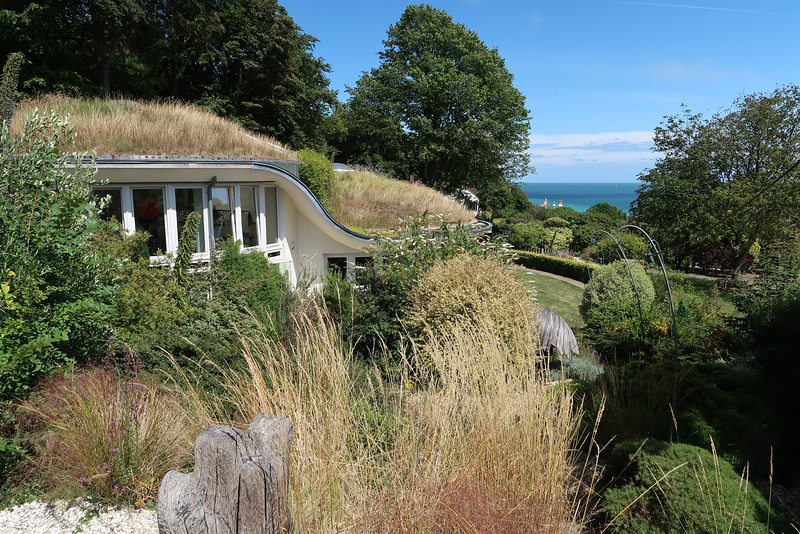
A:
(441, 107)
(503, 199)
(264, 73)
(244, 59)
(731, 178)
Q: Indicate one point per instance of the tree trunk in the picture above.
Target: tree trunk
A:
(239, 484)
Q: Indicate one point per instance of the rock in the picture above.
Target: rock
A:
(239, 484)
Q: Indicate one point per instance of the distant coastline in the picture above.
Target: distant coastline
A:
(582, 196)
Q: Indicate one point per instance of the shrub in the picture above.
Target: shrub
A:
(250, 279)
(316, 170)
(613, 281)
(635, 246)
(556, 238)
(466, 290)
(384, 285)
(556, 222)
(613, 213)
(145, 297)
(637, 401)
(577, 270)
(663, 488)
(525, 236)
(52, 311)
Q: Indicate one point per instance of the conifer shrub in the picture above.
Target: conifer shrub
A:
(466, 290)
(676, 488)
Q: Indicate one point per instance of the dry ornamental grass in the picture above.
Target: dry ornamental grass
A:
(168, 128)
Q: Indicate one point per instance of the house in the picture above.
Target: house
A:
(260, 202)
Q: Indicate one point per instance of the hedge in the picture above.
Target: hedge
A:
(577, 270)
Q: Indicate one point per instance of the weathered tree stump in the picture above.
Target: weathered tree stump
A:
(239, 485)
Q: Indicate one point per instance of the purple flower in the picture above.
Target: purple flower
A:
(114, 451)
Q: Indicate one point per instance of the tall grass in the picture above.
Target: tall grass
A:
(487, 451)
(368, 200)
(171, 128)
(109, 435)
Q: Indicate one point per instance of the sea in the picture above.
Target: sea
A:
(582, 196)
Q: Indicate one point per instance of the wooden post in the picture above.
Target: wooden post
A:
(239, 485)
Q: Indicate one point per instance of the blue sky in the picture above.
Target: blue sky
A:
(598, 75)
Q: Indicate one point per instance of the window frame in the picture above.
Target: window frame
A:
(128, 221)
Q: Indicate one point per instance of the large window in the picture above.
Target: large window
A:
(244, 212)
(188, 200)
(249, 215)
(222, 217)
(148, 214)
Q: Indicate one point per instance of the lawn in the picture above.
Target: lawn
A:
(562, 297)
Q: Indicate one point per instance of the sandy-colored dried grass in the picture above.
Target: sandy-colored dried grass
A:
(471, 452)
(369, 200)
(359, 199)
(165, 128)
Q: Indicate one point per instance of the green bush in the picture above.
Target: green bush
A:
(577, 270)
(249, 278)
(556, 238)
(316, 170)
(729, 404)
(524, 236)
(663, 488)
(615, 215)
(613, 281)
(51, 307)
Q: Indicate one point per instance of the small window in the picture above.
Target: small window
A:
(271, 211)
(337, 265)
(113, 207)
(346, 265)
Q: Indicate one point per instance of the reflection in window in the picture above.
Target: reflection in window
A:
(148, 213)
(221, 218)
(187, 201)
(113, 207)
(249, 215)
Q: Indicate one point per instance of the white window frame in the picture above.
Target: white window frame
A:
(171, 219)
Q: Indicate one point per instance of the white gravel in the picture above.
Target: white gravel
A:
(67, 517)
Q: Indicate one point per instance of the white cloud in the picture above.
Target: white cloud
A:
(593, 149)
(704, 8)
(702, 70)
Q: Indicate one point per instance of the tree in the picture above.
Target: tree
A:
(441, 107)
(731, 178)
(244, 59)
